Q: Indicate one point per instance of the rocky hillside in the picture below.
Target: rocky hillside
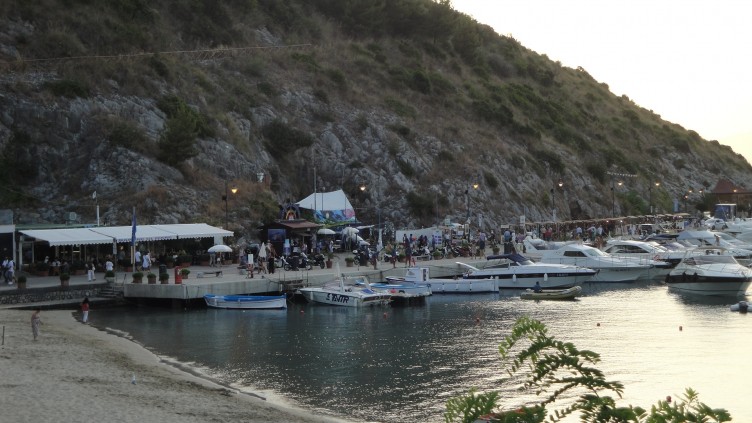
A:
(163, 105)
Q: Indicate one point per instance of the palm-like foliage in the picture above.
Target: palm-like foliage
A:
(556, 368)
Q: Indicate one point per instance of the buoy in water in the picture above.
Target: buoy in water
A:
(598, 324)
(302, 311)
(385, 315)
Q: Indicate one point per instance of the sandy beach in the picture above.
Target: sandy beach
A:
(76, 372)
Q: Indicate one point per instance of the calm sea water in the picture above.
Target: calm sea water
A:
(403, 364)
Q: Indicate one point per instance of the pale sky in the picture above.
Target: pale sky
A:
(688, 61)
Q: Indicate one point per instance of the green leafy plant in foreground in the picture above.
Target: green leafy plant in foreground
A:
(555, 368)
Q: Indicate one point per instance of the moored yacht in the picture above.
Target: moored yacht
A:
(609, 268)
(708, 272)
(420, 275)
(515, 271)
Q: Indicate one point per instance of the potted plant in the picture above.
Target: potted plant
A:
(185, 260)
(164, 278)
(78, 267)
(41, 269)
(64, 279)
(151, 278)
(138, 277)
(170, 262)
(495, 249)
(21, 281)
(329, 258)
(204, 259)
(109, 276)
(401, 257)
(436, 255)
(184, 273)
(349, 261)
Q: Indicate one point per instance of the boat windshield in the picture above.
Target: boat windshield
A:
(709, 259)
(594, 252)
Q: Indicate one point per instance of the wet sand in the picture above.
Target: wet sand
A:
(76, 372)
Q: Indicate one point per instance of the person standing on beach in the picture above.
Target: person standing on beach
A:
(85, 310)
(35, 322)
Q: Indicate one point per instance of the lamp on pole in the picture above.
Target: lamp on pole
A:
(553, 199)
(613, 197)
(650, 191)
(224, 197)
(475, 186)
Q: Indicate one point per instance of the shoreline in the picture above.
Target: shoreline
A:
(77, 371)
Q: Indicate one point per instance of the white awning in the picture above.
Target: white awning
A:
(123, 234)
(143, 233)
(194, 230)
(68, 236)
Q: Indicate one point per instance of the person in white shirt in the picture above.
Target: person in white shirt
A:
(8, 270)
(138, 259)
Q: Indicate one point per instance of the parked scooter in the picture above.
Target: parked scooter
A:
(297, 263)
(319, 260)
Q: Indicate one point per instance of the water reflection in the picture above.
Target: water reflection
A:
(402, 364)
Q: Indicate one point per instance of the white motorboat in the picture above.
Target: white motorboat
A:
(535, 247)
(712, 239)
(342, 291)
(609, 268)
(661, 259)
(405, 291)
(552, 294)
(420, 275)
(515, 271)
(709, 272)
(246, 302)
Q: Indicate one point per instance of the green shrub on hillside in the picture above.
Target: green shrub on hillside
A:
(400, 108)
(281, 139)
(184, 125)
(68, 88)
(125, 134)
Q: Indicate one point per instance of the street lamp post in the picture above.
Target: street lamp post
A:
(650, 191)
(467, 206)
(613, 197)
(224, 197)
(553, 199)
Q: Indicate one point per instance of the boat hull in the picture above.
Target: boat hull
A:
(463, 286)
(246, 302)
(545, 280)
(344, 299)
(718, 286)
(406, 293)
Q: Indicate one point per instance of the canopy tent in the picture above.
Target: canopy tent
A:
(332, 207)
(121, 234)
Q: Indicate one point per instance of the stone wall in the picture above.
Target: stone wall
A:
(49, 295)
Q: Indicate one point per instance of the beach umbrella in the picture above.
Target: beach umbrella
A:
(350, 231)
(325, 231)
(220, 248)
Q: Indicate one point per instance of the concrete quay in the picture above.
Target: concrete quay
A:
(46, 290)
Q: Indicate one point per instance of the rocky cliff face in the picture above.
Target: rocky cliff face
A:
(417, 128)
